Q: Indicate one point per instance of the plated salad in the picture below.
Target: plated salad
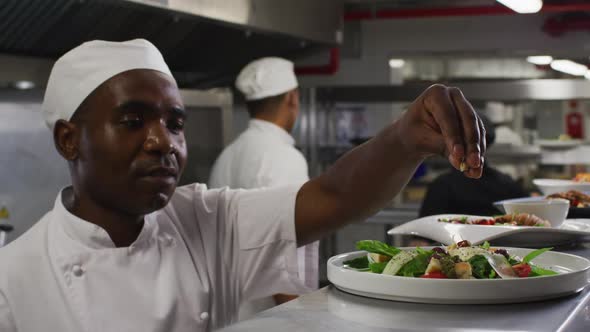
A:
(582, 177)
(577, 198)
(515, 219)
(457, 261)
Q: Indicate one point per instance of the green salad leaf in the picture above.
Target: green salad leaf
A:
(378, 267)
(424, 251)
(537, 271)
(360, 263)
(533, 254)
(485, 245)
(480, 268)
(416, 267)
(377, 247)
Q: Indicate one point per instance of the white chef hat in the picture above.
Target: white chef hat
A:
(80, 71)
(266, 77)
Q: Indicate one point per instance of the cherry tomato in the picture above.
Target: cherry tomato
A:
(523, 270)
(486, 222)
(435, 275)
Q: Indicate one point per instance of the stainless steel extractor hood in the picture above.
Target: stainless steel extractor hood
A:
(204, 41)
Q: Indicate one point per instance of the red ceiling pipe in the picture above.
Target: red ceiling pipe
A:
(358, 15)
(566, 7)
(456, 11)
(448, 11)
(328, 69)
(557, 26)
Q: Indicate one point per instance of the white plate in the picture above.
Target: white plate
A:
(571, 230)
(557, 144)
(552, 186)
(573, 278)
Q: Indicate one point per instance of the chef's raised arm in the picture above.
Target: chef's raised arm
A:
(439, 122)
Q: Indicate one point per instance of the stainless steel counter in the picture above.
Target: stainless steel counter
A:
(394, 217)
(330, 309)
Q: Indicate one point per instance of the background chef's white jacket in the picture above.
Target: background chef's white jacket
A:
(263, 156)
(189, 268)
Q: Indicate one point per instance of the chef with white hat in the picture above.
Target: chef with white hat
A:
(125, 249)
(264, 154)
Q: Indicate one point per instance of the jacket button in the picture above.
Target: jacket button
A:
(204, 315)
(77, 270)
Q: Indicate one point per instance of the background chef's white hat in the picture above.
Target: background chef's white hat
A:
(80, 71)
(266, 77)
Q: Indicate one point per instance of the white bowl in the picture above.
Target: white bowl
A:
(553, 210)
(551, 186)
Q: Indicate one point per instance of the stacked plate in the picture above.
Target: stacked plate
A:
(570, 231)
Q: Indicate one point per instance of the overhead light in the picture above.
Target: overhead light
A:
(541, 60)
(396, 63)
(523, 6)
(569, 67)
(24, 85)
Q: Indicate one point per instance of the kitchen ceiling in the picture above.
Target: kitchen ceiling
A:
(562, 22)
(203, 51)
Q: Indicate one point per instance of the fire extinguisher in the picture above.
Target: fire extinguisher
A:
(574, 123)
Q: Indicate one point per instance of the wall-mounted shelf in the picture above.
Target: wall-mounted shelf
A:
(575, 156)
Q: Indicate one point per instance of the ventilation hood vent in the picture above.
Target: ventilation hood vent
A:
(205, 42)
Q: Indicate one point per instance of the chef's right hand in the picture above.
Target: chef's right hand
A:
(441, 121)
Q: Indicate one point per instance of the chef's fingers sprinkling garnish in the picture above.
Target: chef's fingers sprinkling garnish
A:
(463, 166)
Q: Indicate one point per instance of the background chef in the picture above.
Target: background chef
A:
(264, 154)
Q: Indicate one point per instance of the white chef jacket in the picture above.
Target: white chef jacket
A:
(264, 156)
(188, 270)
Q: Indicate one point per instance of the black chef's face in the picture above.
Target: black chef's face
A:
(128, 145)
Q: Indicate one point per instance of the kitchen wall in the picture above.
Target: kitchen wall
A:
(31, 170)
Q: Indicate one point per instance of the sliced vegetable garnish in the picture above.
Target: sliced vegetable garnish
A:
(398, 261)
